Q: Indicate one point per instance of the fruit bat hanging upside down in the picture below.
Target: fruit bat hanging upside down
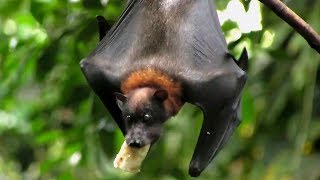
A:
(158, 56)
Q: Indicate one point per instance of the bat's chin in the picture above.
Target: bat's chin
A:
(144, 146)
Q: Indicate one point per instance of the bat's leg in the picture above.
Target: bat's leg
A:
(103, 26)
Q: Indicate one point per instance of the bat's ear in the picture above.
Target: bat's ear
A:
(121, 99)
(161, 95)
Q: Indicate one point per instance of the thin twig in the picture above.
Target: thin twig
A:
(297, 23)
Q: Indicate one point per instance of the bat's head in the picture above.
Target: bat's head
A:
(144, 113)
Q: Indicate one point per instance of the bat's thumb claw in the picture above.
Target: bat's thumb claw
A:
(243, 60)
(195, 170)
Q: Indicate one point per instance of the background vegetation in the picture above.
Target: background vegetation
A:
(52, 126)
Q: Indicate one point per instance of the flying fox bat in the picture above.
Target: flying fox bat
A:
(159, 55)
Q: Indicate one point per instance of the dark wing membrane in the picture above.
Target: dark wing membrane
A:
(219, 100)
(215, 84)
(104, 88)
(102, 68)
(207, 39)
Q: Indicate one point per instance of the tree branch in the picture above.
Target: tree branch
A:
(297, 23)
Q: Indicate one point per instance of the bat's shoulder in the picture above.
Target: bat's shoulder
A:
(227, 82)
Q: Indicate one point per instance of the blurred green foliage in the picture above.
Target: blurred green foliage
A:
(52, 126)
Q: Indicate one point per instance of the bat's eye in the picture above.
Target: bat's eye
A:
(147, 117)
(128, 117)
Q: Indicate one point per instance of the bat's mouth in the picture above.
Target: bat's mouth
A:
(140, 139)
(136, 143)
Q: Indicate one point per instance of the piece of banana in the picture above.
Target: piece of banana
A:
(130, 159)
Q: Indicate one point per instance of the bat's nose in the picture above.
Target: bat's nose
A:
(135, 143)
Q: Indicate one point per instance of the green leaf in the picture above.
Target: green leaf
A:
(221, 4)
(245, 4)
(48, 137)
